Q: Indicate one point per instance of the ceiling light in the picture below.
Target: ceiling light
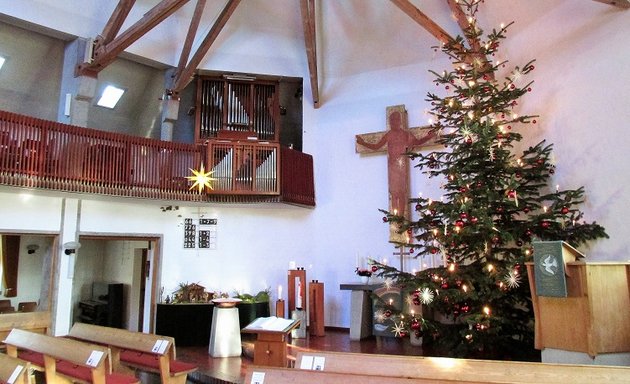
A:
(110, 96)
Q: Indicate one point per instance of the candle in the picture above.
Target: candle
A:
(357, 260)
(279, 291)
(298, 299)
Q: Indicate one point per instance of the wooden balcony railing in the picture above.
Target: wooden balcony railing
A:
(42, 154)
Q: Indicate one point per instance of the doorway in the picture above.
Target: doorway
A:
(130, 261)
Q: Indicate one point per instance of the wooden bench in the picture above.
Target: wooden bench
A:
(62, 358)
(33, 321)
(136, 350)
(460, 370)
(276, 375)
(13, 370)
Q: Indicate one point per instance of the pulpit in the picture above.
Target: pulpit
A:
(593, 317)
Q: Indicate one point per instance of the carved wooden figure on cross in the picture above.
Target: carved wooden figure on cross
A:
(397, 140)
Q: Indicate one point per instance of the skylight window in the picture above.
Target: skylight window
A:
(110, 96)
(2, 60)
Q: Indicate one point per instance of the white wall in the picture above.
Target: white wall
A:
(581, 93)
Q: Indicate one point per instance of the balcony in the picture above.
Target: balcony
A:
(47, 155)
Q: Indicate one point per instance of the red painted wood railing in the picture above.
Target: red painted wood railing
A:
(43, 154)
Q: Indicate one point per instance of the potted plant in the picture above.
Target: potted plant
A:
(253, 306)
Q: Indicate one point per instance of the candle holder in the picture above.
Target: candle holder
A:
(280, 308)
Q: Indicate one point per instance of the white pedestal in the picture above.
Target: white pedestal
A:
(299, 332)
(225, 335)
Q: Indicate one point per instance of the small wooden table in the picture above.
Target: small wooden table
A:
(270, 347)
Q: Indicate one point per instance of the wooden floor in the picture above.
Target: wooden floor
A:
(232, 369)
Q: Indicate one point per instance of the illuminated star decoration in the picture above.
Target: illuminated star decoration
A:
(512, 279)
(426, 296)
(388, 283)
(201, 179)
(398, 329)
(379, 316)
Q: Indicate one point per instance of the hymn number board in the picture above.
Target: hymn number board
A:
(200, 233)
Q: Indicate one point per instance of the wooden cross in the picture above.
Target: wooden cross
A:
(397, 140)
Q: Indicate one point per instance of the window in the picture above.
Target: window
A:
(110, 96)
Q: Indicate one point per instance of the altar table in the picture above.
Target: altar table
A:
(360, 309)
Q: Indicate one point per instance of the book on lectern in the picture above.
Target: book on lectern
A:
(271, 323)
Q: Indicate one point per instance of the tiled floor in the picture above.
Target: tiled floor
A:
(232, 369)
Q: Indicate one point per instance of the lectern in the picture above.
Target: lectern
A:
(270, 347)
(593, 316)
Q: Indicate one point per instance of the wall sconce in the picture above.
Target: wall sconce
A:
(32, 248)
(71, 247)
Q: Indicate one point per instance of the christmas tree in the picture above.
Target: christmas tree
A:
(495, 203)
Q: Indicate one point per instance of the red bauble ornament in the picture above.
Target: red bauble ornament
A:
(433, 251)
(415, 324)
(463, 215)
(474, 220)
(545, 224)
(459, 223)
(418, 207)
(409, 231)
(564, 210)
(444, 286)
(411, 250)
(526, 209)
(385, 220)
(374, 268)
(388, 313)
(511, 194)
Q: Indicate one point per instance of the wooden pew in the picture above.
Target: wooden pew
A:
(136, 350)
(62, 358)
(277, 375)
(13, 370)
(461, 370)
(33, 321)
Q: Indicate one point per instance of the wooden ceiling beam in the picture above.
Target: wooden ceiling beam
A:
(190, 37)
(186, 75)
(463, 23)
(108, 52)
(114, 23)
(617, 3)
(307, 7)
(422, 19)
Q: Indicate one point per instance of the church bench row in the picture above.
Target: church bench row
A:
(136, 351)
(277, 375)
(33, 321)
(459, 370)
(13, 370)
(62, 358)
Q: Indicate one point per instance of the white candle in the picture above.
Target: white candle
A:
(279, 292)
(357, 260)
(298, 299)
